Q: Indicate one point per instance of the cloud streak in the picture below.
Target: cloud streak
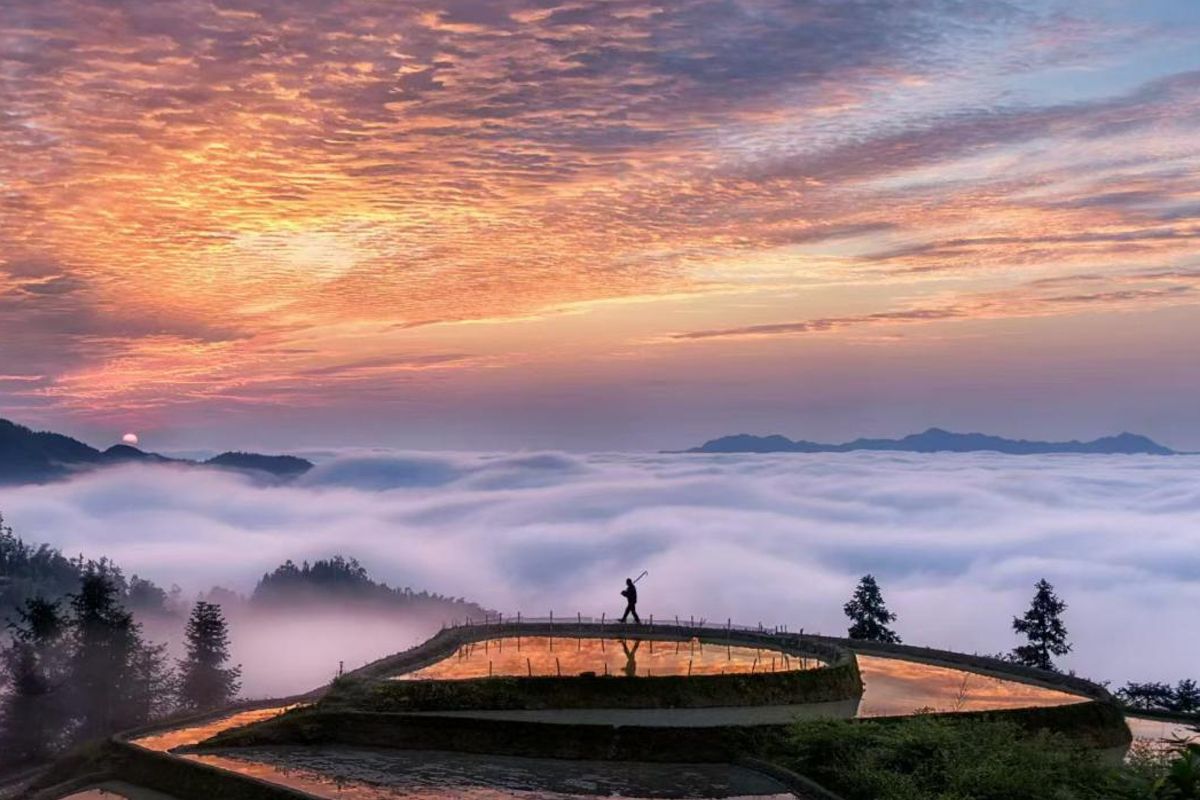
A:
(1048, 297)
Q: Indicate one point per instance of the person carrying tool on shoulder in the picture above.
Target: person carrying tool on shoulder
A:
(630, 595)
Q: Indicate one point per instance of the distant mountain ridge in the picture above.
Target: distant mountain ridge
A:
(28, 456)
(937, 440)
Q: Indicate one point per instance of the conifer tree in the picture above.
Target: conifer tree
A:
(1043, 629)
(869, 616)
(1186, 697)
(117, 679)
(33, 714)
(151, 688)
(205, 681)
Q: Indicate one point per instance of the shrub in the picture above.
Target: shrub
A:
(935, 758)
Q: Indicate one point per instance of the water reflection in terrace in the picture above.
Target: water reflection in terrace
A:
(895, 687)
(545, 655)
(117, 790)
(354, 773)
(196, 732)
(1161, 733)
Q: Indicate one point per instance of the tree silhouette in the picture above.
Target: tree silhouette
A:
(1184, 698)
(1043, 627)
(33, 714)
(1187, 697)
(205, 681)
(344, 580)
(146, 597)
(150, 691)
(1147, 696)
(117, 679)
(30, 571)
(869, 617)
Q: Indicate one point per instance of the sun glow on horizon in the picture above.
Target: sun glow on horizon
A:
(199, 200)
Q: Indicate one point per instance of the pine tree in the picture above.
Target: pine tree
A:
(1147, 696)
(1043, 627)
(21, 740)
(103, 646)
(151, 688)
(1186, 697)
(33, 716)
(869, 615)
(205, 681)
(119, 681)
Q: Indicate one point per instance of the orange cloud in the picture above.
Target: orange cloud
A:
(198, 198)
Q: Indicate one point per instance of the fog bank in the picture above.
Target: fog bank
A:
(956, 540)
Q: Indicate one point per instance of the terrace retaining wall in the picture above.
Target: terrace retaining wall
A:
(1100, 722)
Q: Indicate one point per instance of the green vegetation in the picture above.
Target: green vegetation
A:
(75, 665)
(869, 615)
(32, 714)
(204, 680)
(114, 679)
(85, 671)
(1183, 698)
(40, 571)
(78, 673)
(30, 571)
(941, 758)
(1043, 628)
(340, 579)
(1176, 778)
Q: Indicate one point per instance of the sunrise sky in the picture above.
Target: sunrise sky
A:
(610, 225)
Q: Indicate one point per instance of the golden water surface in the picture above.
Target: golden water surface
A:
(162, 741)
(894, 687)
(545, 655)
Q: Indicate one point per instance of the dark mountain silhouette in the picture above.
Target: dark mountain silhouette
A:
(28, 456)
(936, 440)
(279, 466)
(122, 453)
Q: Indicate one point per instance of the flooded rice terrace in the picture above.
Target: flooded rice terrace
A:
(117, 790)
(1161, 733)
(896, 687)
(195, 733)
(353, 773)
(893, 687)
(567, 656)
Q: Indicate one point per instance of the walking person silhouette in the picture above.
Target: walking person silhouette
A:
(630, 595)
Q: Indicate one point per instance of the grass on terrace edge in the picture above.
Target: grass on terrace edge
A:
(930, 757)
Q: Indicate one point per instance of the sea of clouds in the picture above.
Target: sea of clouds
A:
(956, 540)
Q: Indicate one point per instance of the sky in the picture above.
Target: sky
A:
(956, 541)
(612, 225)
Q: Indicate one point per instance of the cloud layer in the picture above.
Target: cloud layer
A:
(215, 207)
(957, 541)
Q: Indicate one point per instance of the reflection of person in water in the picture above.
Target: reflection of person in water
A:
(630, 595)
(631, 657)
